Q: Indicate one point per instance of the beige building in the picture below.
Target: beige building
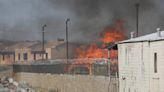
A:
(7, 57)
(141, 63)
(27, 51)
(34, 52)
(27, 54)
(23, 54)
(21, 50)
(60, 51)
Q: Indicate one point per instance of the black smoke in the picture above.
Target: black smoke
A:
(23, 19)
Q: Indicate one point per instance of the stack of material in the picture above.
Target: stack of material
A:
(10, 85)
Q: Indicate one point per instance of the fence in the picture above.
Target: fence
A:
(85, 69)
(5, 68)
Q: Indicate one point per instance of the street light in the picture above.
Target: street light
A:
(43, 31)
(68, 19)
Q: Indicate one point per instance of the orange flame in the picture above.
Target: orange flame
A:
(114, 33)
(109, 35)
(93, 51)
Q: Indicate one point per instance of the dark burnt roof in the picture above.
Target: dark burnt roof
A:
(38, 52)
(113, 46)
(7, 52)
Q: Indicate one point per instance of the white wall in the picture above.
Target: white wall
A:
(158, 77)
(136, 65)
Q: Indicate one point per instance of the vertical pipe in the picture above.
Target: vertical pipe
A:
(43, 31)
(137, 18)
(67, 44)
(90, 69)
(108, 62)
(67, 38)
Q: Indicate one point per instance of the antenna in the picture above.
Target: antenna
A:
(137, 18)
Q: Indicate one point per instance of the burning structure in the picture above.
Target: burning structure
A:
(86, 57)
(109, 36)
(83, 57)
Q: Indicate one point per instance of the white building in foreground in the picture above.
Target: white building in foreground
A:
(141, 63)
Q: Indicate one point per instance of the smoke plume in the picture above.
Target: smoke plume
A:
(23, 19)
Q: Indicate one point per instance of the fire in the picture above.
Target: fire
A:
(113, 54)
(110, 34)
(114, 33)
(93, 51)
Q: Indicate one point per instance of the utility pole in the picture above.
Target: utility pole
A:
(137, 18)
(67, 38)
(43, 31)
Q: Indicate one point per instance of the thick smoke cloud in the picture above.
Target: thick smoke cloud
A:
(23, 19)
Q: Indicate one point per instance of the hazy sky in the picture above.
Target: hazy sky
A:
(23, 19)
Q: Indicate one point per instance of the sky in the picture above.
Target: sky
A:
(23, 19)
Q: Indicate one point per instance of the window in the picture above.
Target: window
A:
(25, 56)
(155, 62)
(129, 89)
(18, 56)
(46, 55)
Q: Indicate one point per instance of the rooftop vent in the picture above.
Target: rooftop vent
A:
(132, 34)
(158, 32)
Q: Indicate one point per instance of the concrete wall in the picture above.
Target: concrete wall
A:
(157, 79)
(68, 83)
(136, 67)
(7, 72)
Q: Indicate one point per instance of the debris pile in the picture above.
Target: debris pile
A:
(8, 84)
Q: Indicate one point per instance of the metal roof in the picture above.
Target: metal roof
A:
(149, 37)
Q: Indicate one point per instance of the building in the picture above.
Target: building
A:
(24, 51)
(60, 51)
(141, 63)
(34, 52)
(21, 50)
(7, 55)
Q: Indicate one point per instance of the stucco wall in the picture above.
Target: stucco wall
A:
(68, 83)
